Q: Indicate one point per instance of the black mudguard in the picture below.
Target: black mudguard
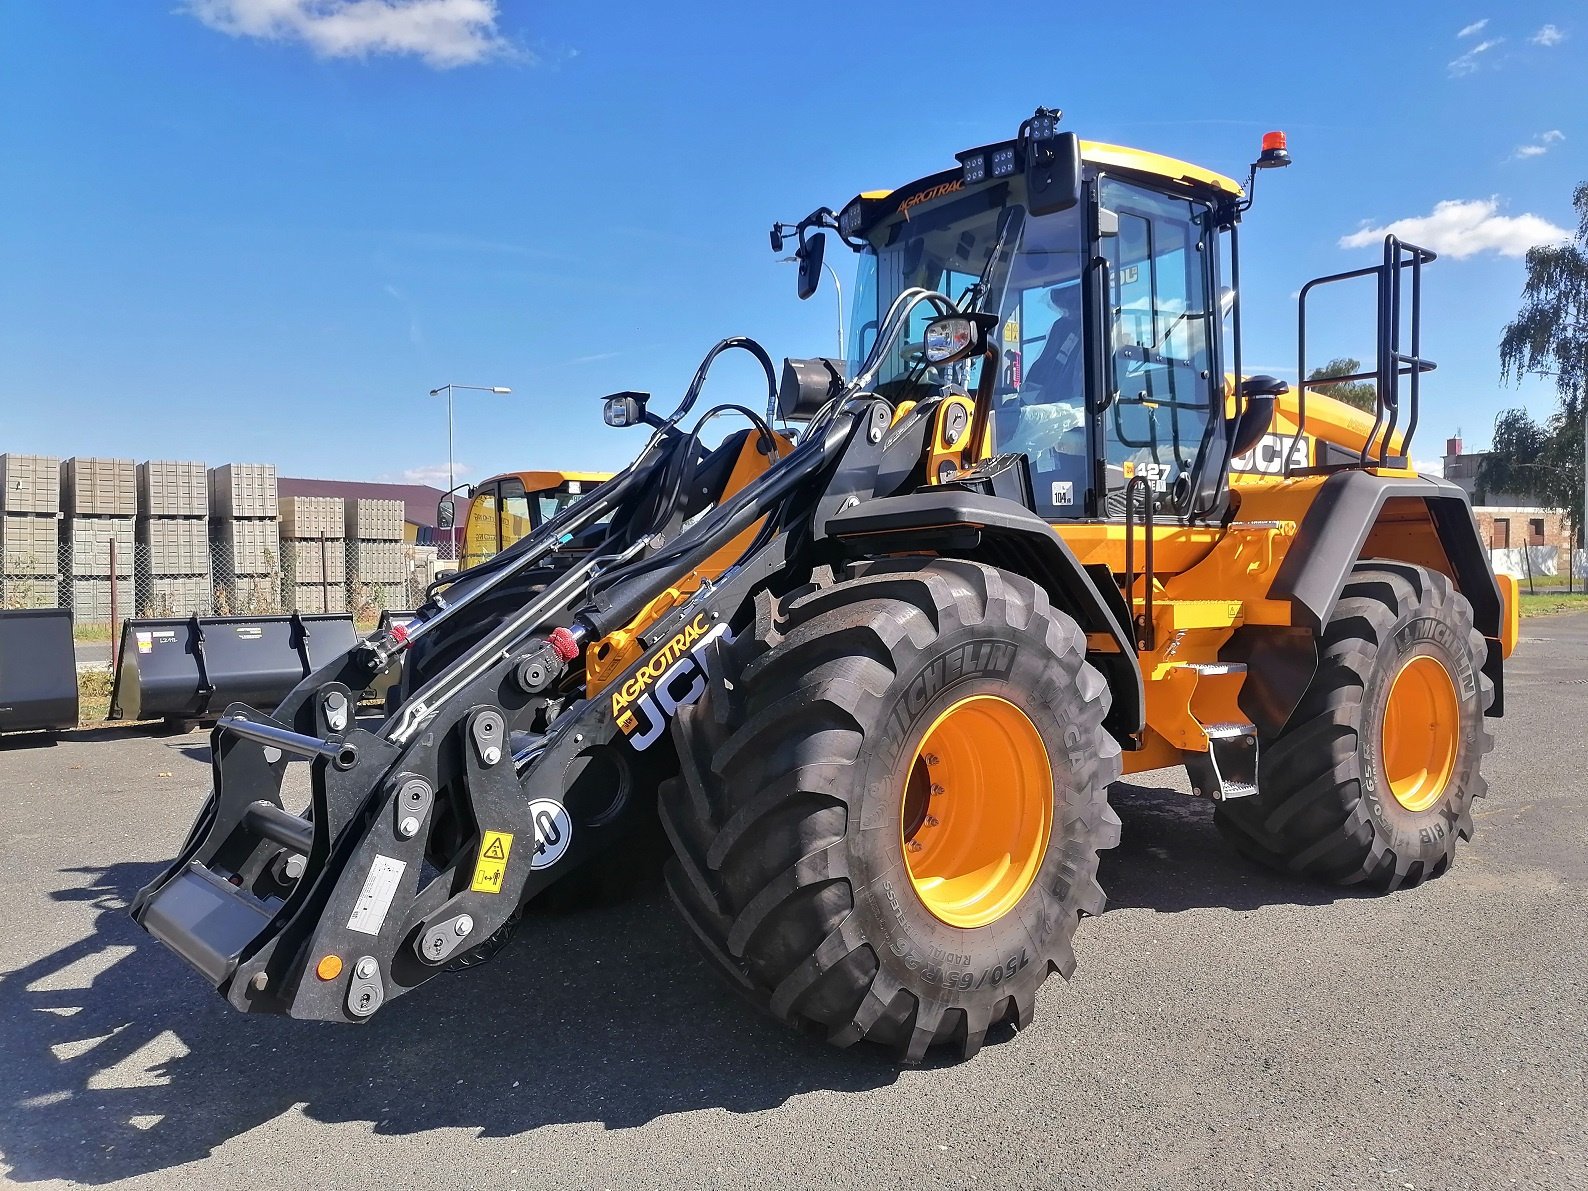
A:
(1330, 541)
(1003, 534)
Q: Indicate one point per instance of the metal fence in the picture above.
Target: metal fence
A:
(115, 573)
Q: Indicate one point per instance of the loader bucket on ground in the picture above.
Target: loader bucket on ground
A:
(191, 669)
(38, 670)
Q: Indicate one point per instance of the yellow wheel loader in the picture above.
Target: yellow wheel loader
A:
(869, 664)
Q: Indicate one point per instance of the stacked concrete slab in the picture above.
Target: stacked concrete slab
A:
(376, 569)
(245, 537)
(30, 541)
(99, 502)
(313, 556)
(173, 539)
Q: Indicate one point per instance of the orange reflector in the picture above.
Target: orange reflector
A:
(1273, 140)
(329, 967)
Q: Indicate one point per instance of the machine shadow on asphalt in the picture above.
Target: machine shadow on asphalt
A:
(117, 1066)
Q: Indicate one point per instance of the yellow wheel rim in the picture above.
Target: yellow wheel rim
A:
(1422, 726)
(977, 811)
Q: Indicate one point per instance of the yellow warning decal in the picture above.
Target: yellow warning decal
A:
(492, 864)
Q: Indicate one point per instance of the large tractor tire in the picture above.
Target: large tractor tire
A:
(891, 803)
(1371, 782)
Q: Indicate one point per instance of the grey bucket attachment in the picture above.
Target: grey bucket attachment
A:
(192, 669)
(38, 670)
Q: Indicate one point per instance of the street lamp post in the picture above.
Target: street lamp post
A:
(447, 389)
(452, 532)
(838, 288)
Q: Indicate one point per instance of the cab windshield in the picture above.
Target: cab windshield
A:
(980, 244)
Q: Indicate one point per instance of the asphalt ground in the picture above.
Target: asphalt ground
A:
(1226, 1027)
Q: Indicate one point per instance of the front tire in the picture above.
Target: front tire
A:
(891, 804)
(1372, 780)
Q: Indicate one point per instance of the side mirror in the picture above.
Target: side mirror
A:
(810, 255)
(1261, 393)
(956, 337)
(624, 409)
(1053, 173)
(446, 513)
(777, 237)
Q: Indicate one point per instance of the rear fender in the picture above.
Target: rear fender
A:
(1360, 515)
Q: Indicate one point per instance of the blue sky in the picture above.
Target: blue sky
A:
(264, 229)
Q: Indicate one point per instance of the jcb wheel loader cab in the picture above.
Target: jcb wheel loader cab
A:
(892, 802)
(1372, 780)
(1109, 357)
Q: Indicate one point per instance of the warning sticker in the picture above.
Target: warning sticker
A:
(145, 642)
(1063, 492)
(492, 864)
(374, 900)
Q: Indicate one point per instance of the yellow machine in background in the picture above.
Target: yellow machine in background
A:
(511, 506)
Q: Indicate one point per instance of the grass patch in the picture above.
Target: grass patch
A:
(1553, 604)
(90, 632)
(93, 695)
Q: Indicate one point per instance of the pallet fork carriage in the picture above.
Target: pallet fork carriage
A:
(867, 668)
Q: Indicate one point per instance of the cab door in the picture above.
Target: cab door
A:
(1161, 346)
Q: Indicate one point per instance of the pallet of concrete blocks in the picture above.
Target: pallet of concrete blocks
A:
(315, 597)
(168, 546)
(28, 592)
(30, 484)
(30, 545)
(375, 562)
(176, 595)
(246, 548)
(375, 520)
(99, 601)
(99, 487)
(243, 490)
(98, 547)
(172, 488)
(312, 517)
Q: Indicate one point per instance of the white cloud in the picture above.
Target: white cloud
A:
(443, 33)
(1468, 62)
(1475, 27)
(1461, 228)
(1547, 36)
(1429, 467)
(1540, 144)
(435, 474)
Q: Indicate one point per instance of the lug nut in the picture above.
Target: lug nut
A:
(936, 789)
(931, 758)
(915, 846)
(931, 821)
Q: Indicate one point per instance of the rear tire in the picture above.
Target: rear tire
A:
(804, 789)
(1400, 665)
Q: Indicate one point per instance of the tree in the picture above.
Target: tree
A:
(1549, 338)
(1363, 394)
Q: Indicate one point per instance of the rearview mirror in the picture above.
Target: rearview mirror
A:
(1053, 173)
(446, 513)
(810, 255)
(956, 337)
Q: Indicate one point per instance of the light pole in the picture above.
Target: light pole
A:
(838, 288)
(447, 389)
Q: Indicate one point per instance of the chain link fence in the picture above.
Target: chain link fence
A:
(113, 572)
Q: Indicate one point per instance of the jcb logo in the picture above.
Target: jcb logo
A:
(1268, 456)
(643, 718)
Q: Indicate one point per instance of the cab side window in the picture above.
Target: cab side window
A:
(515, 513)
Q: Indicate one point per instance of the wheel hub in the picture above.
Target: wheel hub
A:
(977, 811)
(1421, 731)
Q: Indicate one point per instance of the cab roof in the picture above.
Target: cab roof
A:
(1139, 161)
